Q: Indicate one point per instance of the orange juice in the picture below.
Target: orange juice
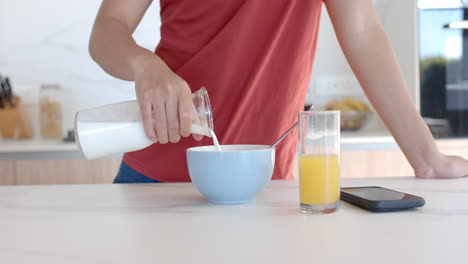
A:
(319, 179)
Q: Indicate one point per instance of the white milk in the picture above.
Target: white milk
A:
(100, 139)
(198, 129)
(215, 140)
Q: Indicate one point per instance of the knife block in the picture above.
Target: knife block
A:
(13, 121)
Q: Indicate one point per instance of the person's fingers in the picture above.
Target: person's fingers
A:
(165, 104)
(160, 120)
(197, 137)
(460, 167)
(185, 113)
(147, 116)
(172, 115)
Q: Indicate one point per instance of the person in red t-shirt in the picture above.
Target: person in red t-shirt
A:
(255, 58)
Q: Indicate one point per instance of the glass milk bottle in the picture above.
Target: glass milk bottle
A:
(118, 128)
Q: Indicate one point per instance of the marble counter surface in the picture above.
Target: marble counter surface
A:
(173, 223)
(37, 149)
(32, 149)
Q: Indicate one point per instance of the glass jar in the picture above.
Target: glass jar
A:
(50, 111)
(98, 129)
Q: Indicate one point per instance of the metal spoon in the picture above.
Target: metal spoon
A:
(289, 130)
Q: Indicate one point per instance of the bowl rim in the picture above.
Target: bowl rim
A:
(211, 149)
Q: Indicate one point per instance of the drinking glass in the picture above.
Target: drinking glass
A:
(319, 161)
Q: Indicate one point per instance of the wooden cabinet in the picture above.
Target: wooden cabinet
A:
(391, 163)
(354, 164)
(63, 171)
(7, 172)
(376, 163)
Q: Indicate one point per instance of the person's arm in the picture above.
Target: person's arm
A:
(373, 61)
(164, 98)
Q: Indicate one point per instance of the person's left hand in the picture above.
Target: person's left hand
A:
(444, 167)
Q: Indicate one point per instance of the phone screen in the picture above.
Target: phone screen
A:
(377, 194)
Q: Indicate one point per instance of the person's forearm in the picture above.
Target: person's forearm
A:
(374, 63)
(113, 48)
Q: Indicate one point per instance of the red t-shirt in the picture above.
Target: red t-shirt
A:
(255, 59)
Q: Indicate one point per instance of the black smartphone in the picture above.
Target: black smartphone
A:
(378, 199)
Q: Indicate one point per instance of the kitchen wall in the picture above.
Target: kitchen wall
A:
(331, 70)
(46, 42)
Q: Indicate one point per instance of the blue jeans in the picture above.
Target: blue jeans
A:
(129, 175)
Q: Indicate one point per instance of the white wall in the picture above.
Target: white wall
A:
(399, 18)
(46, 42)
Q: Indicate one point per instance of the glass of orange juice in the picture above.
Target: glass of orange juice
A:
(319, 161)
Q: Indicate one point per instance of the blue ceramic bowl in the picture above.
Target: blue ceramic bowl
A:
(231, 176)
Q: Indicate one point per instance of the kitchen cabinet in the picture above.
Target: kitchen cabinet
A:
(375, 163)
(391, 163)
(60, 171)
(7, 172)
(381, 159)
(354, 164)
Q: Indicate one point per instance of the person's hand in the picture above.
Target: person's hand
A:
(444, 167)
(165, 101)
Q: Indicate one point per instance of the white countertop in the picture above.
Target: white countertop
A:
(173, 223)
(36, 145)
(38, 149)
(56, 148)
